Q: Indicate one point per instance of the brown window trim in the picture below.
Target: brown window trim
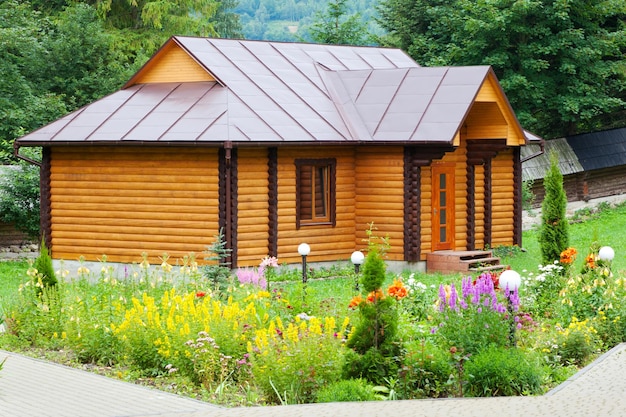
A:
(330, 219)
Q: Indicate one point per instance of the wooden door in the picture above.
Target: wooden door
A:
(443, 206)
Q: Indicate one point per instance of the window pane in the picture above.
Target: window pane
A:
(321, 191)
(306, 191)
(442, 216)
(442, 198)
(442, 181)
(442, 234)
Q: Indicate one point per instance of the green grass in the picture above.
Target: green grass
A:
(604, 227)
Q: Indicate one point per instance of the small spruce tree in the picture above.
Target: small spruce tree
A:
(45, 270)
(554, 233)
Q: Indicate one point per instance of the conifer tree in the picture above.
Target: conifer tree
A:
(554, 234)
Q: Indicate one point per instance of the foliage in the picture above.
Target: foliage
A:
(334, 26)
(542, 290)
(474, 319)
(425, 371)
(528, 197)
(347, 390)
(44, 274)
(19, 198)
(218, 271)
(554, 232)
(559, 62)
(373, 338)
(498, 371)
(292, 363)
(577, 342)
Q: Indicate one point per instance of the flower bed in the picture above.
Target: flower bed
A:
(253, 340)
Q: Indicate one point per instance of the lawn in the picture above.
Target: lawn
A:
(225, 339)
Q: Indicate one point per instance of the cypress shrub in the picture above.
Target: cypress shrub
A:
(554, 233)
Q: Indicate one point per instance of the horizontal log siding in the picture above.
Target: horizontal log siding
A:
(480, 206)
(426, 240)
(123, 201)
(502, 199)
(253, 225)
(380, 196)
(327, 243)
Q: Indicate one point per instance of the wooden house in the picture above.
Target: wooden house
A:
(278, 144)
(593, 165)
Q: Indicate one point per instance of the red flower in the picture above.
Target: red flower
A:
(200, 294)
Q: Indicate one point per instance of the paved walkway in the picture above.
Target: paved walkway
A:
(35, 388)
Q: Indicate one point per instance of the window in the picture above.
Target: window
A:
(315, 189)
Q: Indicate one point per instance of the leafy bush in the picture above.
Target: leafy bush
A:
(425, 371)
(577, 342)
(292, 363)
(497, 372)
(45, 275)
(19, 198)
(475, 319)
(347, 390)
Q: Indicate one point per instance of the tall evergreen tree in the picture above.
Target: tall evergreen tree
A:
(554, 233)
(335, 26)
(561, 63)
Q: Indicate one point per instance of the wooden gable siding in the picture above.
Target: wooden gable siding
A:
(327, 243)
(491, 116)
(503, 205)
(171, 64)
(380, 196)
(252, 207)
(123, 201)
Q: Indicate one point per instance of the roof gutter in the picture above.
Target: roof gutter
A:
(542, 144)
(16, 153)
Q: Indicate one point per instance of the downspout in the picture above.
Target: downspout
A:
(228, 146)
(16, 153)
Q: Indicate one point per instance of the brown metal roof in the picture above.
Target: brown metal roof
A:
(281, 92)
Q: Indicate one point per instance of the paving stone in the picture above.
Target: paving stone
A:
(35, 388)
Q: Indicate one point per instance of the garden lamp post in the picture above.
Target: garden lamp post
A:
(304, 250)
(511, 281)
(606, 253)
(357, 259)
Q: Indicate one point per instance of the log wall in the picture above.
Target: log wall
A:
(503, 184)
(253, 206)
(326, 242)
(124, 201)
(380, 196)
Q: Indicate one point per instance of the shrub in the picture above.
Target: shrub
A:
(19, 198)
(373, 339)
(475, 319)
(292, 363)
(577, 342)
(347, 390)
(425, 371)
(45, 274)
(497, 372)
(554, 232)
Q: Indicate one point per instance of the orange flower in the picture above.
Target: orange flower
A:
(590, 260)
(355, 301)
(375, 296)
(568, 256)
(397, 290)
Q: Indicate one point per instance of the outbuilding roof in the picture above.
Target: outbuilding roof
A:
(577, 153)
(260, 92)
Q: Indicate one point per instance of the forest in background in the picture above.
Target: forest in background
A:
(561, 63)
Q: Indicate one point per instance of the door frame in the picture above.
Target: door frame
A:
(445, 172)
